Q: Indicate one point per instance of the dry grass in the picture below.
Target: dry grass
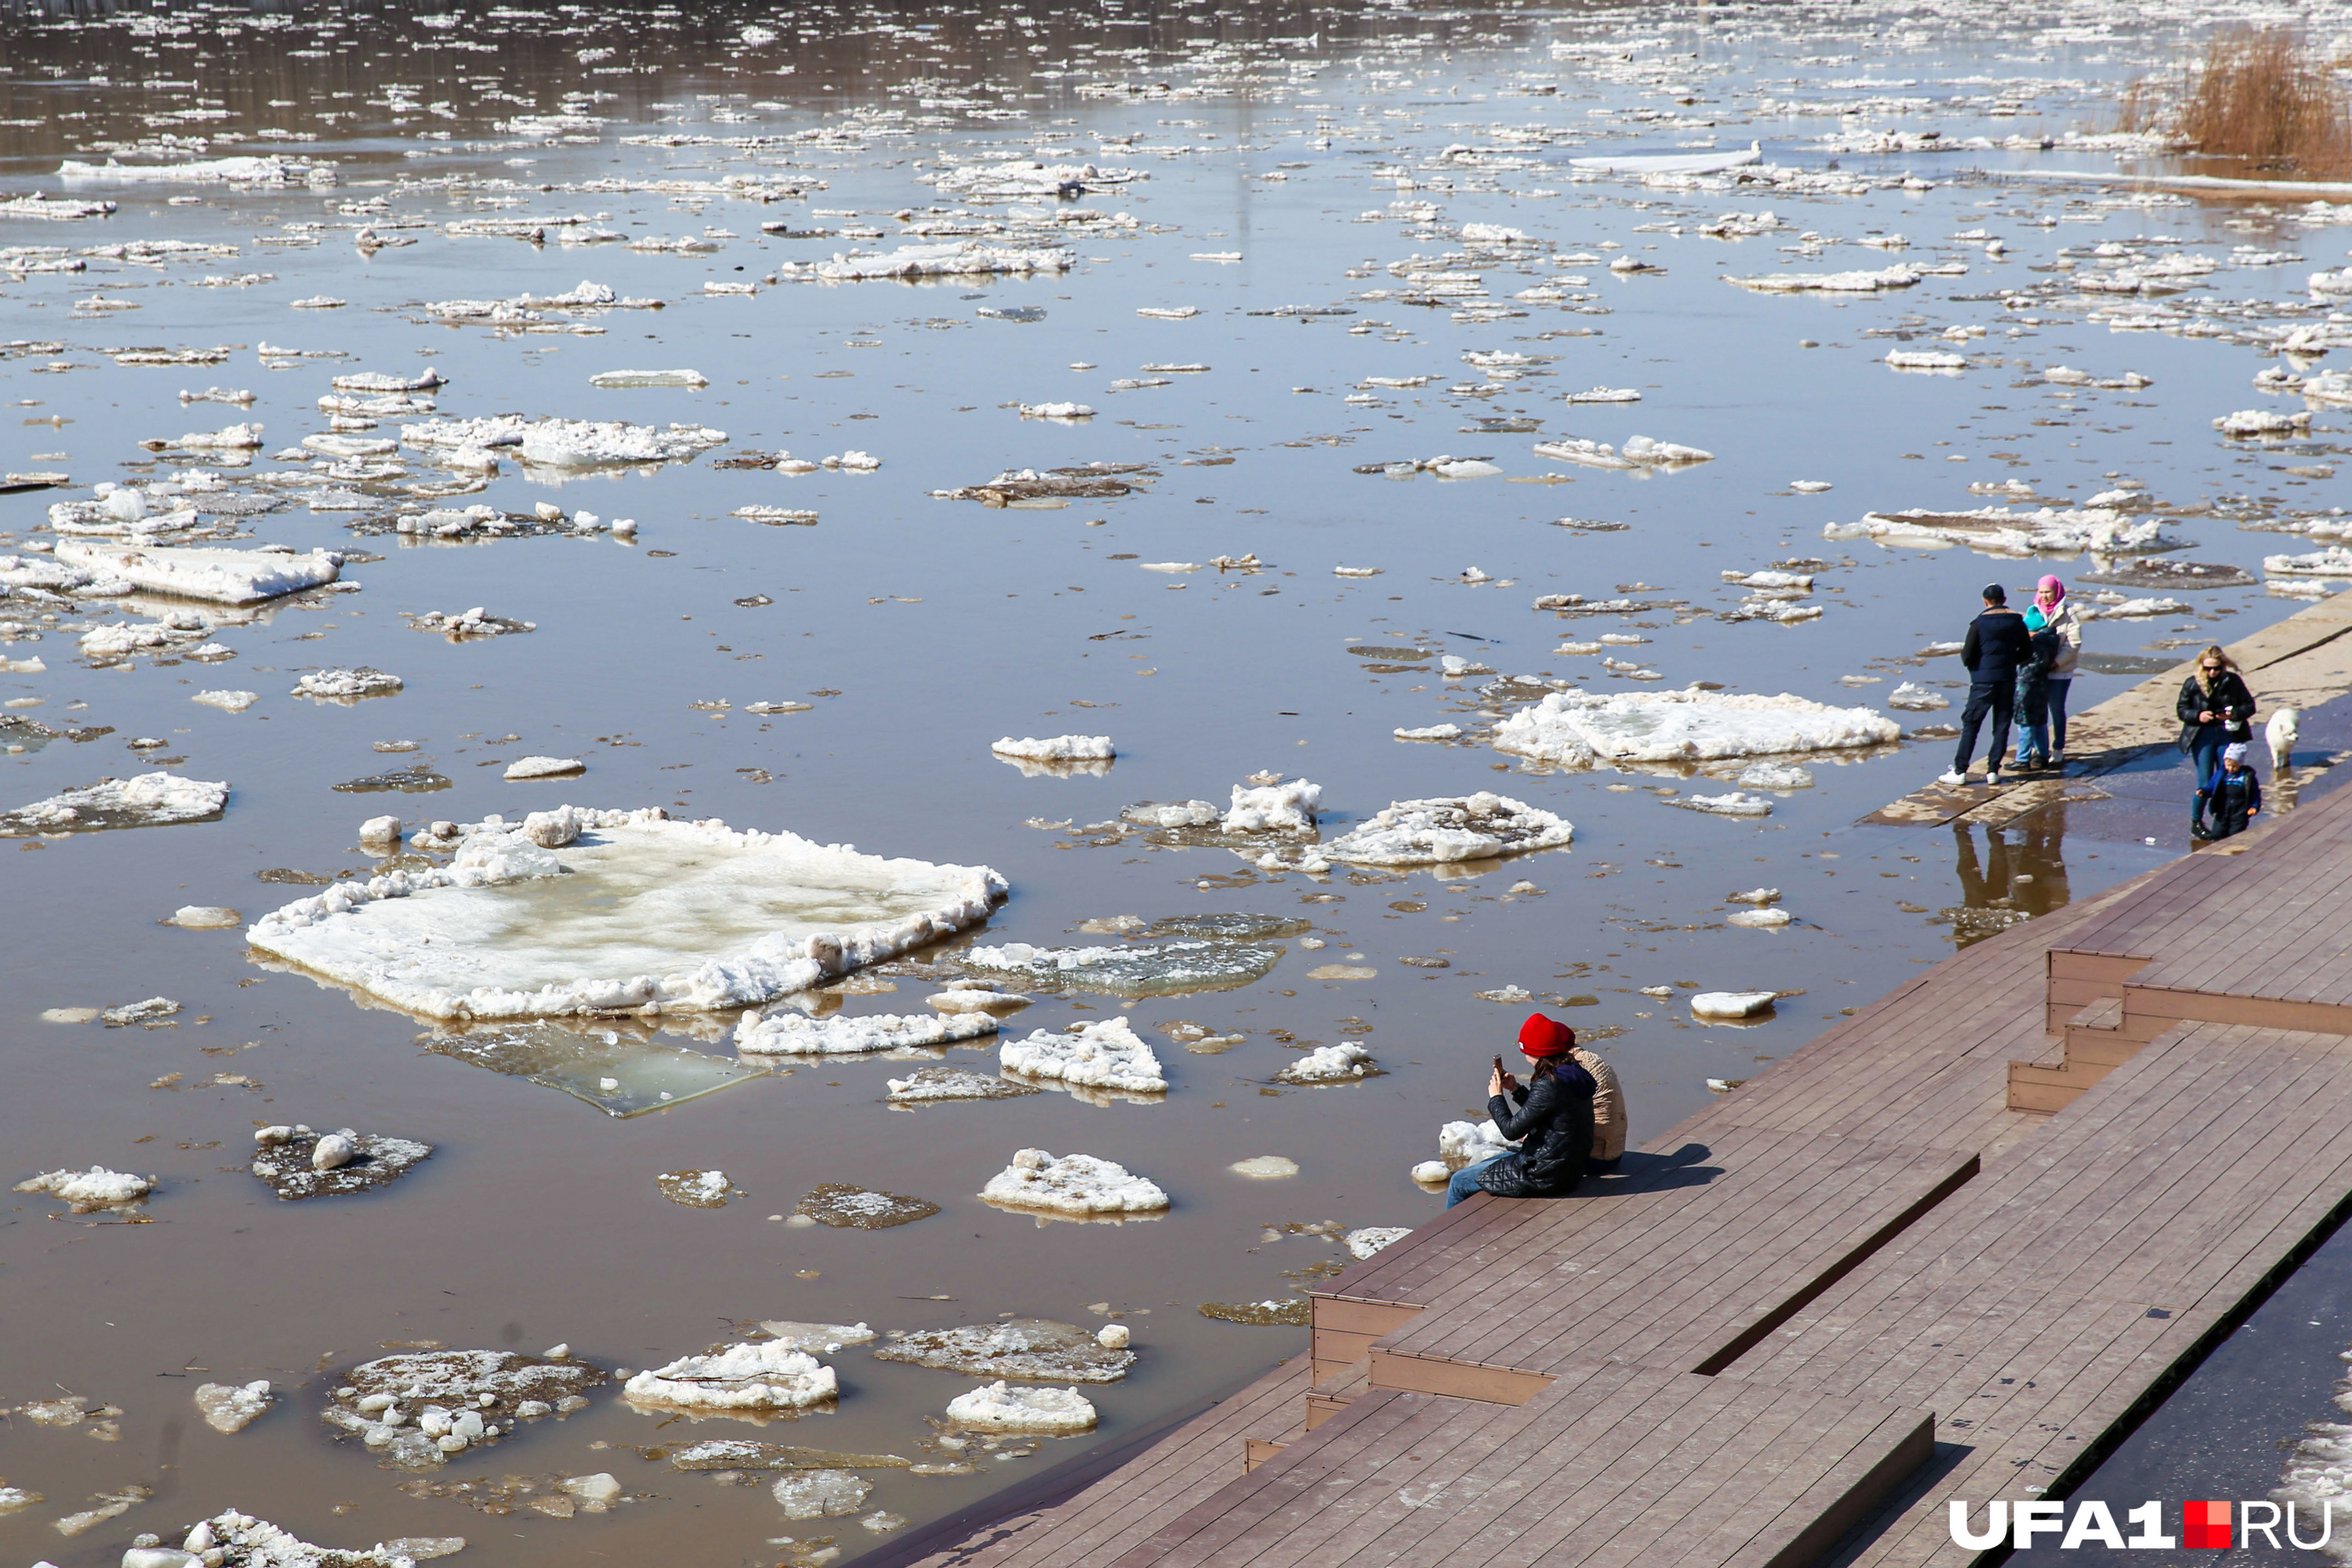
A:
(2259, 97)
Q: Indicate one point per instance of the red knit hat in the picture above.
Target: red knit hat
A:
(1542, 1036)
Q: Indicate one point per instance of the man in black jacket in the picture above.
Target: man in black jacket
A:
(1997, 643)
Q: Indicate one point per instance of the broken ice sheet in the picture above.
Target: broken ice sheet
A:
(421, 1408)
(231, 1408)
(1481, 827)
(149, 800)
(844, 1206)
(784, 1033)
(742, 1454)
(821, 1494)
(1575, 729)
(287, 1158)
(1035, 1350)
(642, 913)
(697, 1189)
(620, 1072)
(1103, 1055)
(752, 1382)
(1074, 1187)
(927, 1085)
(998, 1408)
(1140, 969)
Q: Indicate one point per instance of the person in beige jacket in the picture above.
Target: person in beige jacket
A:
(1608, 1108)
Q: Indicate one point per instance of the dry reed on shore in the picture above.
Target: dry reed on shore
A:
(2258, 96)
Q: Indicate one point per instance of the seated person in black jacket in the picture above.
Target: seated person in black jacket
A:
(1551, 1122)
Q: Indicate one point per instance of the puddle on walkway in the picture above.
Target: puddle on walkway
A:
(1334, 295)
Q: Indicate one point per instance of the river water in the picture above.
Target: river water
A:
(1274, 169)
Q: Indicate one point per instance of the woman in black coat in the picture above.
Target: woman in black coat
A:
(1551, 1121)
(2215, 710)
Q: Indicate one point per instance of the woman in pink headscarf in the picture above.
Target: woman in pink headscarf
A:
(2058, 614)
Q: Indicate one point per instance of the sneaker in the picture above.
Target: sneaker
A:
(1992, 781)
(1953, 779)
(2058, 759)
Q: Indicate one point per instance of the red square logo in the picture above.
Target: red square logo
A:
(2205, 1526)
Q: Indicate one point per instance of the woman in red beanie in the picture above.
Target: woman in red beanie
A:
(1551, 1123)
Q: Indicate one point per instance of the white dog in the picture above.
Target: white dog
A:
(2281, 733)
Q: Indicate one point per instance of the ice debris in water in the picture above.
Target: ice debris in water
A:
(965, 258)
(347, 685)
(1917, 699)
(234, 1539)
(1056, 411)
(648, 913)
(846, 1207)
(785, 1033)
(1183, 813)
(827, 1338)
(1138, 969)
(85, 1192)
(697, 1189)
(1264, 1167)
(935, 1083)
(1776, 775)
(1762, 920)
(222, 576)
(2336, 561)
(1035, 1350)
(149, 800)
(1450, 829)
(1273, 808)
(419, 1408)
(1105, 1055)
(1371, 1238)
(1754, 896)
(299, 1163)
(1059, 749)
(1343, 1063)
(545, 768)
(1731, 1003)
(1079, 1184)
(227, 702)
(976, 997)
(999, 1408)
(742, 1454)
(821, 1494)
(560, 443)
(1998, 531)
(1430, 732)
(1575, 729)
(761, 1378)
(647, 378)
(1738, 803)
(227, 1407)
(204, 916)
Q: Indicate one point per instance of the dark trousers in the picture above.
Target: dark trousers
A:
(1987, 698)
(2059, 687)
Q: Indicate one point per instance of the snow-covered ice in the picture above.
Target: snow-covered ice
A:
(1079, 1184)
(760, 1378)
(1344, 1063)
(149, 800)
(1760, 918)
(997, 1408)
(1057, 749)
(646, 914)
(299, 1162)
(525, 768)
(820, 1494)
(221, 576)
(421, 1408)
(96, 1188)
(954, 258)
(1034, 1349)
(940, 1083)
(1449, 830)
(845, 1207)
(787, 1033)
(1575, 729)
(232, 1408)
(1103, 1054)
(1287, 807)
(1738, 803)
(1731, 1004)
(347, 686)
(1137, 969)
(1917, 697)
(648, 378)
(227, 702)
(1775, 775)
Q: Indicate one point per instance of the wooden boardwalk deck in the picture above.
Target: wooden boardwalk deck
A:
(1950, 1248)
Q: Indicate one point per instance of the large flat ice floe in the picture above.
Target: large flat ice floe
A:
(762, 1378)
(1037, 1350)
(1481, 827)
(784, 1033)
(1572, 728)
(2000, 530)
(151, 800)
(1077, 1185)
(1106, 1054)
(596, 911)
(562, 443)
(1138, 969)
(221, 576)
(965, 258)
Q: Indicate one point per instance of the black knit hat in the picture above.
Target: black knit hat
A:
(1994, 593)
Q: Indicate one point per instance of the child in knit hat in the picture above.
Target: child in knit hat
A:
(2233, 796)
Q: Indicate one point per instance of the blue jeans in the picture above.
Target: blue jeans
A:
(2032, 743)
(2058, 684)
(2205, 756)
(1465, 1181)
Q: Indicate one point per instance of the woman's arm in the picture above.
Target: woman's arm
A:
(1532, 1114)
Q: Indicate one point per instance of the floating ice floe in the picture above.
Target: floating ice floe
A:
(1079, 1184)
(785, 1033)
(2002, 532)
(2336, 561)
(378, 382)
(297, 1162)
(227, 702)
(634, 913)
(777, 516)
(845, 1207)
(1138, 969)
(1775, 775)
(265, 169)
(347, 685)
(941, 1083)
(240, 1540)
(761, 1378)
(1169, 313)
(1450, 829)
(1925, 359)
(1731, 1003)
(1669, 162)
(1917, 699)
(821, 1494)
(204, 916)
(149, 800)
(1103, 1054)
(1285, 807)
(1345, 1062)
(562, 443)
(421, 1408)
(1182, 814)
(1738, 803)
(1639, 452)
(527, 768)
(1034, 1349)
(1430, 732)
(2133, 609)
(84, 1191)
(230, 1407)
(1760, 918)
(697, 1189)
(1070, 411)
(997, 1408)
(954, 258)
(619, 1073)
(2262, 423)
(610, 379)
(1058, 749)
(1858, 282)
(1573, 729)
(976, 997)
(222, 576)
(1371, 1238)
(463, 625)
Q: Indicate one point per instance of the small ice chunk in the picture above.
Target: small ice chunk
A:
(1430, 732)
(380, 830)
(696, 1189)
(204, 916)
(1055, 411)
(1760, 918)
(787, 1033)
(760, 1377)
(1731, 1003)
(1343, 1063)
(1072, 1183)
(227, 702)
(545, 768)
(630, 378)
(1105, 1055)
(1577, 729)
(1058, 749)
(827, 1338)
(1113, 1336)
(1809, 487)
(1776, 775)
(1183, 813)
(1371, 1238)
(1450, 830)
(821, 1494)
(1925, 359)
(938, 1083)
(1264, 1167)
(96, 1188)
(1754, 896)
(1287, 807)
(1037, 1350)
(347, 685)
(1918, 699)
(997, 1408)
(333, 1151)
(845, 1207)
(1738, 803)
(229, 1408)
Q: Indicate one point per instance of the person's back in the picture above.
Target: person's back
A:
(1609, 1128)
(1996, 645)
